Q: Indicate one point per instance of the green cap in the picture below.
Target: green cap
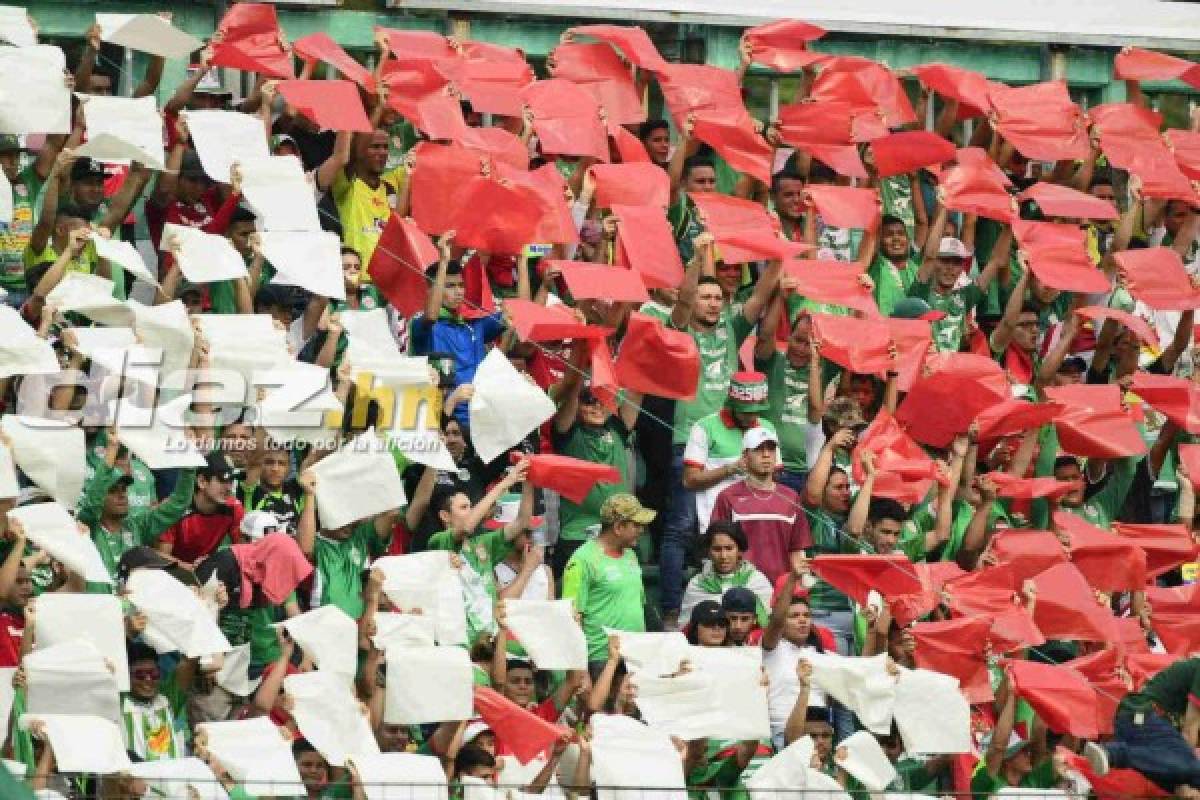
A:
(9, 142)
(916, 308)
(748, 392)
(625, 508)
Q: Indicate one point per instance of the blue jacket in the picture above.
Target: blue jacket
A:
(466, 340)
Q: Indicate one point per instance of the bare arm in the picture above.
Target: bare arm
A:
(681, 314)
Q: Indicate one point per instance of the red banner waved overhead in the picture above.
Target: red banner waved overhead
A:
(741, 147)
(1165, 546)
(908, 151)
(833, 282)
(1014, 416)
(1185, 146)
(1176, 398)
(440, 178)
(490, 86)
(904, 472)
(728, 217)
(1067, 607)
(330, 105)
(960, 386)
(957, 647)
(864, 84)
(633, 42)
(598, 69)
(1109, 563)
(1136, 64)
(497, 144)
(1156, 276)
(534, 322)
(586, 281)
(1030, 488)
(658, 361)
(399, 262)
(783, 45)
(1062, 201)
(249, 38)
(977, 188)
(847, 207)
(859, 575)
(1058, 256)
(1061, 696)
(1135, 325)
(969, 88)
(1041, 121)
(1027, 553)
(566, 119)
(523, 732)
(704, 91)
(573, 478)
(320, 46)
(1093, 423)
(645, 244)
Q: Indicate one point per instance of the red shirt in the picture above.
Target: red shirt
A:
(210, 214)
(198, 535)
(10, 638)
(774, 523)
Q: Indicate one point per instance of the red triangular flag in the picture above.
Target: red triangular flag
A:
(1136, 64)
(525, 733)
(498, 218)
(631, 40)
(1156, 276)
(847, 207)
(1015, 416)
(858, 575)
(604, 375)
(905, 471)
(833, 282)
(657, 361)
(1067, 608)
(1136, 325)
(586, 281)
(1058, 256)
(645, 240)
(573, 478)
(859, 345)
(741, 147)
(249, 39)
(960, 386)
(599, 70)
(398, 264)
(440, 179)
(638, 184)
(1040, 121)
(320, 46)
(566, 119)
(1109, 563)
(956, 647)
(1029, 488)
(1062, 201)
(1165, 546)
(1028, 553)
(908, 151)
(629, 147)
(781, 45)
(1176, 398)
(478, 300)
(534, 322)
(331, 105)
(1061, 696)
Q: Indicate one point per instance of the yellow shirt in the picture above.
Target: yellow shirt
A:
(364, 211)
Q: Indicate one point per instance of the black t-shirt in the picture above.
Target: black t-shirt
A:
(225, 565)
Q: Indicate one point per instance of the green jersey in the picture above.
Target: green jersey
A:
(891, 282)
(787, 394)
(1173, 690)
(718, 361)
(607, 592)
(950, 332)
(985, 784)
(481, 553)
(256, 626)
(607, 445)
(14, 237)
(829, 537)
(896, 197)
(340, 565)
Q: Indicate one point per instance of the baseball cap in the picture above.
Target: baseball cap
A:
(1073, 364)
(755, 437)
(124, 481)
(952, 248)
(505, 511)
(709, 612)
(748, 392)
(843, 412)
(86, 168)
(191, 167)
(218, 465)
(141, 557)
(739, 600)
(621, 507)
(916, 308)
(257, 524)
(473, 730)
(1015, 744)
(9, 142)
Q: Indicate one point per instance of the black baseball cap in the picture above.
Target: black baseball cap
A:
(739, 600)
(218, 465)
(87, 169)
(709, 612)
(141, 558)
(191, 167)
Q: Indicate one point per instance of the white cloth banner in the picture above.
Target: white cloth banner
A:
(786, 771)
(428, 684)
(15, 27)
(83, 743)
(279, 193)
(371, 349)
(393, 629)
(163, 442)
(8, 474)
(679, 705)
(330, 636)
(296, 408)
(50, 527)
(34, 97)
(7, 694)
(168, 328)
(505, 408)
(652, 653)
(311, 260)
(861, 684)
(124, 255)
(740, 696)
(123, 128)
(22, 351)
(630, 761)
(228, 336)
(92, 296)
(147, 33)
(861, 756)
(548, 631)
(51, 454)
(359, 481)
(106, 347)
(931, 713)
(71, 678)
(94, 618)
(426, 581)
(234, 675)
(256, 754)
(224, 137)
(178, 777)
(329, 716)
(400, 776)
(203, 257)
(178, 621)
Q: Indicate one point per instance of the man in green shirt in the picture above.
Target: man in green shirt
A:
(895, 265)
(1009, 760)
(14, 237)
(604, 580)
(1102, 506)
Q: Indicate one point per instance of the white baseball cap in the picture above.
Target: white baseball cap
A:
(755, 437)
(258, 524)
(952, 248)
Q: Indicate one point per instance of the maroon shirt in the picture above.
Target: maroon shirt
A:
(774, 523)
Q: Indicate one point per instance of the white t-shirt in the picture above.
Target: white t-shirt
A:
(538, 587)
(783, 690)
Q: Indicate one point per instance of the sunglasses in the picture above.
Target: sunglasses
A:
(148, 674)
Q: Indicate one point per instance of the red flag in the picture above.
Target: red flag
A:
(857, 575)
(631, 40)
(1067, 608)
(993, 592)
(969, 88)
(1101, 670)
(249, 39)
(1185, 146)
(1015, 416)
(977, 189)
(1179, 633)
(865, 84)
(1040, 121)
(1109, 563)
(645, 241)
(566, 119)
(555, 225)
(425, 45)
(956, 647)
(1028, 553)
(629, 147)
(912, 338)
(1156, 276)
(599, 70)
(744, 246)
(739, 145)
(1184, 599)
(726, 217)
(498, 218)
(586, 281)
(781, 45)
(859, 345)
(398, 264)
(960, 386)
(847, 207)
(497, 53)
(1030, 488)
(1060, 695)
(1130, 140)
(1165, 546)
(526, 734)
(1116, 784)
(492, 87)
(1131, 638)
(573, 478)
(1062, 201)
(833, 282)
(331, 105)
(478, 300)
(908, 151)
(1177, 398)
(808, 123)
(1136, 64)
(440, 179)
(1093, 423)
(1144, 666)
(320, 46)
(658, 361)
(1058, 256)
(639, 184)
(904, 471)
(907, 608)
(1136, 325)
(701, 89)
(534, 322)
(497, 143)
(604, 375)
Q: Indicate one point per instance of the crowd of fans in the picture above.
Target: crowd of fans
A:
(876, 388)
